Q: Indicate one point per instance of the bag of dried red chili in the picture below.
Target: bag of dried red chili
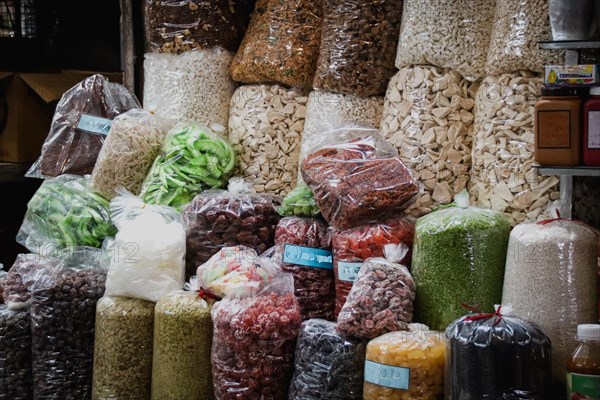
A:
(304, 250)
(352, 246)
(254, 341)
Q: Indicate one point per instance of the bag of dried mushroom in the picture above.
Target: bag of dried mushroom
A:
(175, 26)
(518, 27)
(281, 44)
(428, 115)
(447, 33)
(502, 173)
(357, 46)
(265, 124)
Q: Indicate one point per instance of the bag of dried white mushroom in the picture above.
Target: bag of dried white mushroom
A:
(428, 116)
(447, 33)
(518, 27)
(193, 86)
(502, 174)
(265, 124)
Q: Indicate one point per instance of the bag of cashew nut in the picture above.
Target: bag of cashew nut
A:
(381, 299)
(448, 34)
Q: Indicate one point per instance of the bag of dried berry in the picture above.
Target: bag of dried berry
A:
(16, 382)
(25, 271)
(381, 299)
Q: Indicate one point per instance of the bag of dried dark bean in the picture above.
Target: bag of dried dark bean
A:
(25, 271)
(63, 311)
(381, 299)
(16, 382)
(220, 218)
(328, 365)
(303, 247)
(254, 341)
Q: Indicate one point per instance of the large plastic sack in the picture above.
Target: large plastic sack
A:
(175, 26)
(328, 365)
(357, 46)
(16, 381)
(281, 44)
(458, 257)
(254, 341)
(490, 356)
(23, 274)
(358, 181)
(192, 86)
(573, 19)
(135, 140)
(237, 216)
(192, 159)
(447, 34)
(79, 127)
(147, 255)
(428, 116)
(550, 280)
(63, 311)
(381, 299)
(65, 212)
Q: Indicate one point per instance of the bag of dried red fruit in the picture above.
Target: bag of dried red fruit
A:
(381, 299)
(353, 246)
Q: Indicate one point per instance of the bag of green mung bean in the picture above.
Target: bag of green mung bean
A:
(459, 256)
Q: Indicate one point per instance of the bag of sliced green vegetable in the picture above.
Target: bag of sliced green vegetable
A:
(65, 212)
(459, 255)
(193, 159)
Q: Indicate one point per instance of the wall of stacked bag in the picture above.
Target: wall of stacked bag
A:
(323, 199)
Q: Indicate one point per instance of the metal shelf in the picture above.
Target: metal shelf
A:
(13, 172)
(569, 45)
(571, 171)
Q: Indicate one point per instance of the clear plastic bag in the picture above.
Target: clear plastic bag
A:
(3, 277)
(192, 86)
(304, 250)
(147, 255)
(358, 44)
(79, 127)
(300, 202)
(63, 315)
(550, 280)
(358, 180)
(219, 219)
(328, 365)
(183, 332)
(353, 246)
(65, 212)
(573, 20)
(25, 271)
(491, 355)
(123, 349)
(281, 44)
(381, 299)
(459, 256)
(192, 159)
(447, 34)
(175, 26)
(16, 381)
(254, 341)
(135, 140)
(428, 116)
(405, 365)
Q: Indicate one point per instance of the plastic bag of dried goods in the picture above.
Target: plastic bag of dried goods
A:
(281, 44)
(573, 20)
(489, 355)
(3, 277)
(25, 271)
(458, 257)
(175, 26)
(300, 202)
(147, 255)
(16, 382)
(358, 180)
(192, 159)
(237, 216)
(381, 299)
(358, 45)
(353, 246)
(328, 365)
(81, 121)
(135, 140)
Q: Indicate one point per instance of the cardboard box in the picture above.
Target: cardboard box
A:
(571, 75)
(27, 103)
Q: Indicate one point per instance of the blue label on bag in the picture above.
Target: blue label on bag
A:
(387, 375)
(307, 256)
(348, 271)
(93, 124)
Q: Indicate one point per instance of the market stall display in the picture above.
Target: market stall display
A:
(300, 202)
(16, 381)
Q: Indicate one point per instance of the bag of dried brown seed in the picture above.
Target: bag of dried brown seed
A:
(281, 44)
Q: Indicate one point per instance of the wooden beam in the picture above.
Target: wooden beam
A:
(127, 45)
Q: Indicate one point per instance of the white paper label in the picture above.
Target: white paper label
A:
(593, 130)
